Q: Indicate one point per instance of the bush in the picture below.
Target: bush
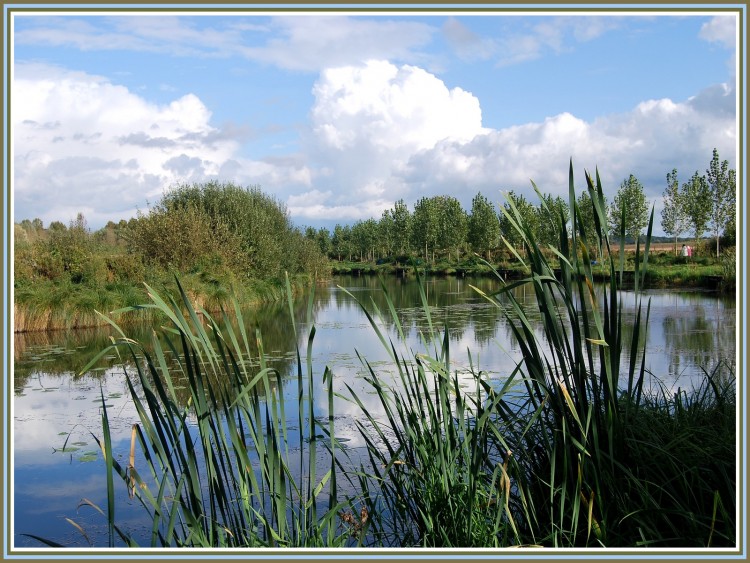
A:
(182, 238)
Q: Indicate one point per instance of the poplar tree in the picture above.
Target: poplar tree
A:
(674, 217)
(630, 200)
(697, 199)
(721, 185)
(484, 226)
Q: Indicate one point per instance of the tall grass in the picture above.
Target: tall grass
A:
(584, 455)
(587, 439)
(221, 472)
(438, 465)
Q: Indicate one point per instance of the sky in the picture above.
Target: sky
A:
(338, 116)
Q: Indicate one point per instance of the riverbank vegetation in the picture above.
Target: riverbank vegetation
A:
(216, 236)
(576, 447)
(439, 230)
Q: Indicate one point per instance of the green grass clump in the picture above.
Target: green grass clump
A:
(583, 477)
(438, 466)
(218, 472)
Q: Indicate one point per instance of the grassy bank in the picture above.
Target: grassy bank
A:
(62, 305)
(665, 271)
(214, 236)
(573, 449)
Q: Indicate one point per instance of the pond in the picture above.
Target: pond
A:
(58, 470)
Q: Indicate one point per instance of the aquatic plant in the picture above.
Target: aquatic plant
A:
(221, 471)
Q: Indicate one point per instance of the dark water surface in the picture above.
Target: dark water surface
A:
(58, 470)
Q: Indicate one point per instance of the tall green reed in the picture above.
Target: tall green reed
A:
(438, 473)
(220, 472)
(575, 433)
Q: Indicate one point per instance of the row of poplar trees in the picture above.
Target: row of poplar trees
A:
(438, 227)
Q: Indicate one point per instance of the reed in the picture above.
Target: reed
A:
(439, 468)
(583, 427)
(220, 472)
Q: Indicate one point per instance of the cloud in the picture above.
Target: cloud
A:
(722, 30)
(152, 34)
(381, 132)
(533, 38)
(82, 143)
(467, 44)
(302, 42)
(377, 132)
(313, 42)
(619, 145)
(368, 119)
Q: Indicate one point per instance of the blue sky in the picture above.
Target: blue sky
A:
(338, 116)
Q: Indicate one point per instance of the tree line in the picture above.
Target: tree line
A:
(705, 202)
(243, 234)
(221, 230)
(438, 227)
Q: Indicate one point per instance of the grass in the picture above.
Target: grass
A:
(61, 305)
(218, 472)
(586, 418)
(438, 466)
(573, 449)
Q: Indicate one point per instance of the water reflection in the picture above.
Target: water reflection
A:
(687, 332)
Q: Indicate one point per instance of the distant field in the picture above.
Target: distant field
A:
(655, 247)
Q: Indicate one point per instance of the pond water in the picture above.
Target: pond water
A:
(58, 470)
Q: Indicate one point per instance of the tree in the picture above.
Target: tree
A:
(697, 199)
(364, 238)
(386, 232)
(586, 219)
(674, 217)
(425, 226)
(630, 202)
(341, 241)
(402, 226)
(529, 217)
(551, 211)
(484, 226)
(729, 238)
(721, 185)
(452, 224)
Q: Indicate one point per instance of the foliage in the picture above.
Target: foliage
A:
(570, 450)
(697, 199)
(341, 242)
(245, 217)
(181, 238)
(674, 217)
(484, 226)
(425, 227)
(586, 224)
(402, 226)
(729, 267)
(583, 429)
(452, 225)
(364, 236)
(551, 210)
(524, 210)
(722, 186)
(629, 212)
(437, 476)
(223, 480)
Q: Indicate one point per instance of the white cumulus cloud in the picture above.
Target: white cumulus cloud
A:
(84, 144)
(368, 120)
(385, 132)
